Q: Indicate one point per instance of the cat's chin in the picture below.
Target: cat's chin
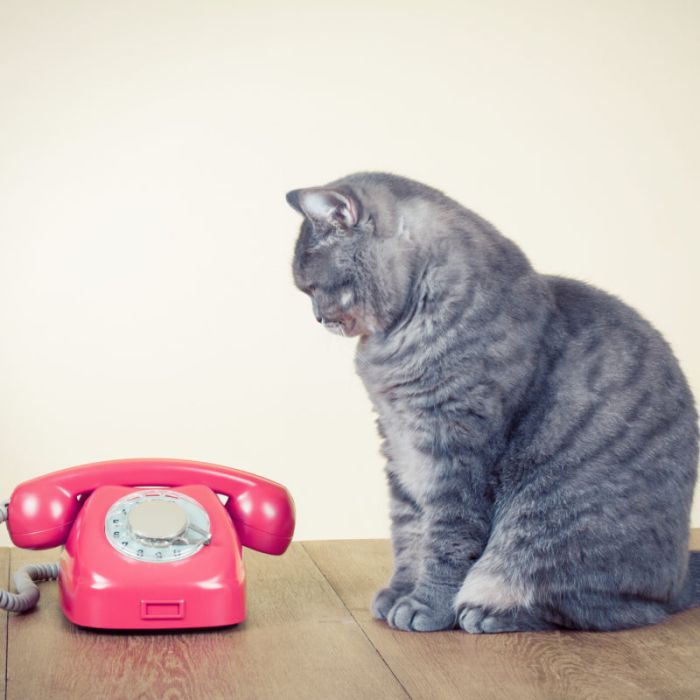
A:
(347, 329)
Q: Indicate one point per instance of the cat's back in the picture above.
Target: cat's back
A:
(586, 309)
(599, 327)
(613, 371)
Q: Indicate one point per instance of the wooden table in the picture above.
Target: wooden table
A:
(309, 634)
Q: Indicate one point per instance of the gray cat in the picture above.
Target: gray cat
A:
(541, 439)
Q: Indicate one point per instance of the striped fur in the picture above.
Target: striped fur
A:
(541, 439)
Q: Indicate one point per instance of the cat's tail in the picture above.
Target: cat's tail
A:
(690, 594)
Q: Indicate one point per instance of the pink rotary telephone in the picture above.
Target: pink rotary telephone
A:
(148, 544)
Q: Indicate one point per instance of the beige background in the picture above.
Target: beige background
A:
(146, 301)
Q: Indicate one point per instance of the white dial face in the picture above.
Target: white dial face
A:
(157, 525)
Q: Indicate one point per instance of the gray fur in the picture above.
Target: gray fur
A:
(541, 439)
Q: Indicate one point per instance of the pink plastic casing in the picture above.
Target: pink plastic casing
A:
(42, 510)
(102, 588)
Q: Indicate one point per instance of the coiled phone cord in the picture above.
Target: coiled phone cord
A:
(27, 594)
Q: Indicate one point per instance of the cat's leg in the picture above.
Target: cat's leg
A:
(406, 537)
(497, 594)
(454, 534)
(573, 583)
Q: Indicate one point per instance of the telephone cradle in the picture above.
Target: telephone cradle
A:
(148, 543)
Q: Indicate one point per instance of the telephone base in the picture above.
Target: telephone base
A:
(101, 588)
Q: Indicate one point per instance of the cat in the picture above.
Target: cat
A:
(540, 437)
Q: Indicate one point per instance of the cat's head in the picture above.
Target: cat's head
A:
(356, 256)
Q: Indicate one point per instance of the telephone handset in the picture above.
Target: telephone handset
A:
(148, 543)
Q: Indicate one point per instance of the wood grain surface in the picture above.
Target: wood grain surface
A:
(662, 661)
(309, 634)
(298, 642)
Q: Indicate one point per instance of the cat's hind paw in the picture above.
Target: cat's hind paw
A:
(413, 615)
(479, 620)
(475, 619)
(384, 601)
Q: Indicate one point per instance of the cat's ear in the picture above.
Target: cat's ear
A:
(320, 204)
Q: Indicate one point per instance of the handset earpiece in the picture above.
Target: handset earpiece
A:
(263, 515)
(40, 514)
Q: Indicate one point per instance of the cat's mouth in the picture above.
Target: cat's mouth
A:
(340, 327)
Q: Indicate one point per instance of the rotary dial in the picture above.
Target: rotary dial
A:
(157, 526)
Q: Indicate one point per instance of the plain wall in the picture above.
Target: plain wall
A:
(146, 300)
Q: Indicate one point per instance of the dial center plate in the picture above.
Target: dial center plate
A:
(157, 520)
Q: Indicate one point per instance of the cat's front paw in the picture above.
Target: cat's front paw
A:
(413, 615)
(383, 601)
